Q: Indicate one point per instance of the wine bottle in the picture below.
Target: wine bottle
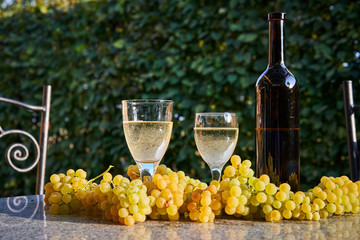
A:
(277, 113)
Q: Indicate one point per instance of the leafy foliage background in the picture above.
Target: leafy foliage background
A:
(204, 55)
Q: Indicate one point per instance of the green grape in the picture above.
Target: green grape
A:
(55, 197)
(267, 209)
(269, 199)
(67, 188)
(234, 182)
(64, 209)
(129, 220)
(316, 216)
(315, 207)
(284, 187)
(70, 173)
(309, 216)
(339, 209)
(275, 215)
(80, 173)
(338, 192)
(277, 204)
(229, 210)
(205, 201)
(54, 209)
(172, 210)
(66, 198)
(105, 187)
(246, 163)
(138, 217)
(133, 198)
(305, 207)
(107, 177)
(296, 213)
(271, 189)
(290, 205)
(281, 196)
(123, 212)
(242, 200)
(261, 197)
(66, 179)
(229, 171)
(265, 178)
(287, 214)
(232, 202)
(235, 160)
(331, 197)
(298, 198)
(133, 208)
(235, 191)
(160, 202)
(254, 201)
(331, 207)
(58, 186)
(322, 195)
(260, 186)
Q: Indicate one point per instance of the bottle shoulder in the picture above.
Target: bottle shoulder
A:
(277, 75)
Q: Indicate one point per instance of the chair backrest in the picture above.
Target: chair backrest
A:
(13, 152)
(350, 109)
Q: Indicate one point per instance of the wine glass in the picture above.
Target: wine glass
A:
(216, 135)
(147, 125)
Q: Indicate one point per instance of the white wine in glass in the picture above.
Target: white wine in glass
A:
(147, 140)
(147, 126)
(216, 136)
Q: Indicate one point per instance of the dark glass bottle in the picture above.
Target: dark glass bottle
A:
(277, 113)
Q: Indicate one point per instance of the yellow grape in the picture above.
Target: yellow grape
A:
(54, 178)
(287, 214)
(229, 171)
(107, 177)
(275, 215)
(129, 220)
(235, 160)
(80, 173)
(265, 178)
(235, 191)
(271, 189)
(232, 202)
(261, 197)
(260, 186)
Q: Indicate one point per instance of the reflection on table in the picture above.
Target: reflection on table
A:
(25, 218)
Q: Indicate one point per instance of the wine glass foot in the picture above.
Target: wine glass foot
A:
(216, 174)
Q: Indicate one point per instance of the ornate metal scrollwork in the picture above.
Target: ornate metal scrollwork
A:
(21, 210)
(20, 152)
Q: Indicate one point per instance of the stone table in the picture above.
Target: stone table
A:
(25, 218)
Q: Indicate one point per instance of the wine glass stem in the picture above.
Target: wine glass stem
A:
(216, 174)
(147, 171)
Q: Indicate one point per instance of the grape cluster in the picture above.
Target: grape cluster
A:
(254, 197)
(60, 192)
(173, 194)
(204, 204)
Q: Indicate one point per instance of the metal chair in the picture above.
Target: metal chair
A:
(350, 110)
(20, 151)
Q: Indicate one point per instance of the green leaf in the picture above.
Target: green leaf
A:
(247, 37)
(119, 44)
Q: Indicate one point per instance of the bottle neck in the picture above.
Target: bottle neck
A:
(276, 43)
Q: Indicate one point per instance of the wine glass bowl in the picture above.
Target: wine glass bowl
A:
(216, 136)
(147, 126)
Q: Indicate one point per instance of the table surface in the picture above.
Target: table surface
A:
(25, 218)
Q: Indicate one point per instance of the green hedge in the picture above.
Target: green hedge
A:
(204, 55)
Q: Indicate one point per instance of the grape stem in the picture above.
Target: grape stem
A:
(92, 180)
